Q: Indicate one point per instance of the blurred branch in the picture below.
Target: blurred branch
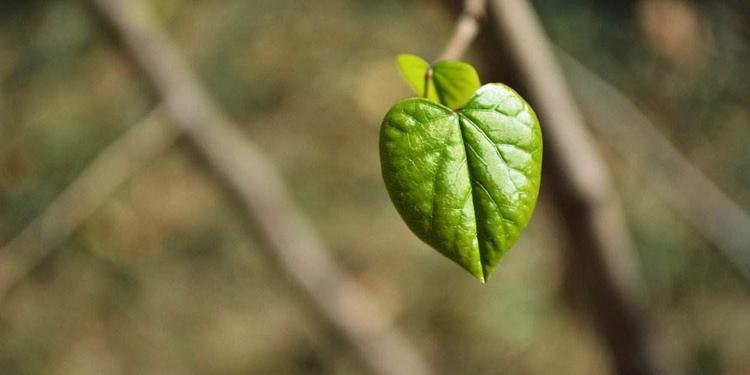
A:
(283, 231)
(465, 31)
(597, 237)
(111, 168)
(627, 130)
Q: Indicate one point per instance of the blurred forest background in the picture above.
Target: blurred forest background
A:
(165, 278)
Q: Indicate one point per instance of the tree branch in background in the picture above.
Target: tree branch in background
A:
(465, 31)
(282, 230)
(683, 187)
(583, 193)
(109, 170)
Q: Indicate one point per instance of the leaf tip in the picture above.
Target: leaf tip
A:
(479, 276)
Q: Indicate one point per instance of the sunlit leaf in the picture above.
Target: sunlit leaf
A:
(465, 182)
(455, 82)
(414, 71)
(449, 82)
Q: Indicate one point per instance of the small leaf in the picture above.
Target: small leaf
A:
(466, 183)
(414, 70)
(455, 82)
(450, 82)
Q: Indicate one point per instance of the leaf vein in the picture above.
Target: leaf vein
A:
(500, 155)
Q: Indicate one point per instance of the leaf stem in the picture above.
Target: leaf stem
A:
(427, 78)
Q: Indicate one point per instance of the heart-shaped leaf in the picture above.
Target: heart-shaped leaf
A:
(449, 82)
(466, 183)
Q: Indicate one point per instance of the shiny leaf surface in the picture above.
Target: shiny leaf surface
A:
(465, 182)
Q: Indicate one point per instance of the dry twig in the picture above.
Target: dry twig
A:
(111, 168)
(282, 230)
(597, 238)
(465, 31)
(682, 186)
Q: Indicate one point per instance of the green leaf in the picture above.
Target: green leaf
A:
(455, 82)
(466, 183)
(414, 70)
(450, 83)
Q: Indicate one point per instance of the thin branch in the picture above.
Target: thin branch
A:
(113, 166)
(712, 213)
(574, 170)
(465, 31)
(283, 231)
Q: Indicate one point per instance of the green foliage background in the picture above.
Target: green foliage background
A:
(164, 279)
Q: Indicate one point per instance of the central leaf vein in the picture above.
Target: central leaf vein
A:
(483, 256)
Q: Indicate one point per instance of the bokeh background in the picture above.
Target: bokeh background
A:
(165, 278)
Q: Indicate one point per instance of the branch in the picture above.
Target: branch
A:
(465, 31)
(584, 195)
(282, 230)
(713, 214)
(110, 169)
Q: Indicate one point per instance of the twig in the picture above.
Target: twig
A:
(583, 192)
(111, 168)
(465, 31)
(282, 230)
(716, 216)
